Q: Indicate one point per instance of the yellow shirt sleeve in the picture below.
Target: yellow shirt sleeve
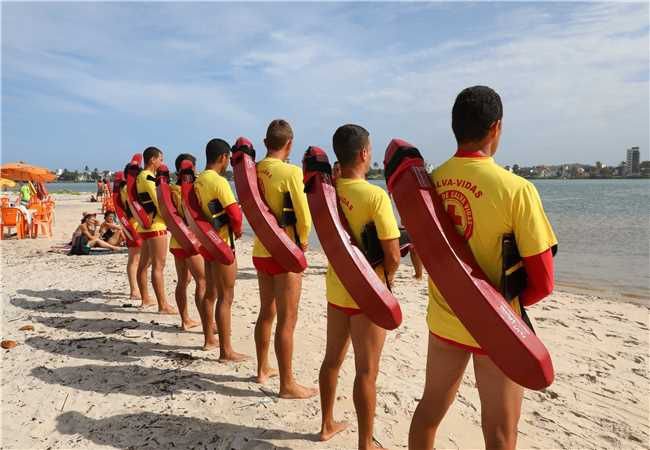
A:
(384, 219)
(211, 186)
(223, 192)
(300, 205)
(533, 231)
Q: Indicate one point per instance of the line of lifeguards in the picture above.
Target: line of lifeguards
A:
(488, 256)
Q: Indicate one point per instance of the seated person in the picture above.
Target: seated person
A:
(86, 236)
(110, 231)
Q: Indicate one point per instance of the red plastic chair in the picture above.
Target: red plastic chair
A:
(12, 218)
(42, 220)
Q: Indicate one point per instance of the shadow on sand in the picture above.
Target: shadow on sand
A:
(143, 381)
(108, 349)
(156, 431)
(70, 301)
(105, 325)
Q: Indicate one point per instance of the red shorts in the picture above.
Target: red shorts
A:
(268, 266)
(152, 234)
(179, 252)
(469, 348)
(133, 244)
(347, 311)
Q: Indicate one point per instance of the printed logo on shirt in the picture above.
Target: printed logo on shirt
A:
(459, 211)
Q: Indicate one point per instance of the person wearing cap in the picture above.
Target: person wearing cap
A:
(188, 266)
(154, 247)
(218, 204)
(134, 246)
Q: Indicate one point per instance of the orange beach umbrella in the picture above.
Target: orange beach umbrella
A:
(26, 172)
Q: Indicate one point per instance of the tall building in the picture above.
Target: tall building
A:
(632, 161)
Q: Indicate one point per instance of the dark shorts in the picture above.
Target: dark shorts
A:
(268, 266)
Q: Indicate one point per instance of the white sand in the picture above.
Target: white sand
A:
(94, 374)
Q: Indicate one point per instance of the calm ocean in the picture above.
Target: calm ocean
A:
(603, 228)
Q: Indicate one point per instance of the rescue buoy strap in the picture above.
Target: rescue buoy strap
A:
(398, 156)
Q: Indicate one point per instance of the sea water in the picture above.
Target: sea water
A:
(603, 229)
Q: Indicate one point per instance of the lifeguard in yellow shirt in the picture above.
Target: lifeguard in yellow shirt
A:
(134, 251)
(187, 266)
(363, 204)
(218, 204)
(282, 187)
(154, 246)
(489, 207)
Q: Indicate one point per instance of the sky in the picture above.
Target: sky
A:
(93, 83)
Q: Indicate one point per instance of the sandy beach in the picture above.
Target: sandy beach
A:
(96, 372)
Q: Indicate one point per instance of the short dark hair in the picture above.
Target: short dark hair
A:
(215, 148)
(348, 140)
(149, 153)
(184, 157)
(278, 134)
(475, 110)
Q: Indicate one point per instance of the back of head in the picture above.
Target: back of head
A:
(278, 134)
(348, 141)
(184, 157)
(475, 110)
(214, 149)
(150, 153)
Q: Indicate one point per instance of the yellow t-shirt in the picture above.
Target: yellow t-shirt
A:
(209, 186)
(144, 185)
(486, 202)
(362, 203)
(275, 178)
(125, 206)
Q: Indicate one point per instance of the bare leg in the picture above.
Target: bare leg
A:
(196, 267)
(338, 341)
(208, 306)
(132, 272)
(263, 327)
(225, 297)
(445, 367)
(417, 263)
(102, 244)
(183, 275)
(368, 342)
(143, 283)
(287, 293)
(158, 251)
(500, 404)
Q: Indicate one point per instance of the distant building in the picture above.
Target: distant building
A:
(632, 161)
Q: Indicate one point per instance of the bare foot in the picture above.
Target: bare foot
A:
(211, 345)
(296, 391)
(232, 356)
(167, 310)
(327, 432)
(264, 375)
(147, 303)
(134, 296)
(189, 325)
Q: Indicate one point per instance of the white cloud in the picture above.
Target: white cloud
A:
(574, 78)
